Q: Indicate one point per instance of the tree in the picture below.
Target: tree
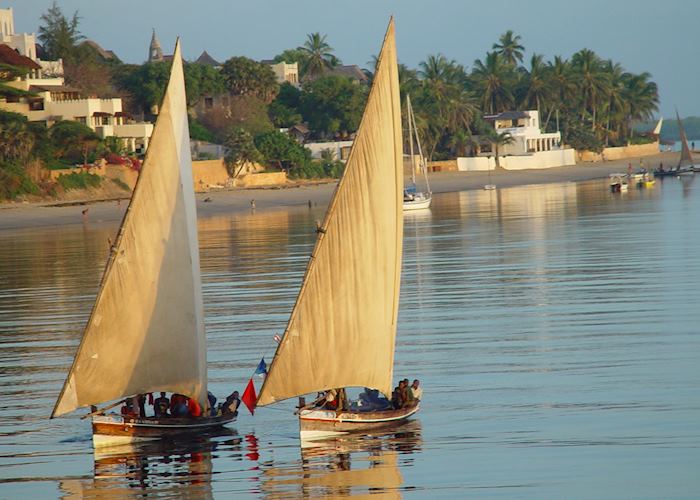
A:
(562, 86)
(593, 82)
(535, 84)
(59, 35)
(145, 84)
(243, 76)
(16, 138)
(240, 150)
(495, 80)
(284, 110)
(72, 140)
(201, 80)
(509, 48)
(498, 139)
(282, 150)
(332, 104)
(319, 55)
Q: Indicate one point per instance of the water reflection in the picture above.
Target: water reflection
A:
(181, 469)
(348, 466)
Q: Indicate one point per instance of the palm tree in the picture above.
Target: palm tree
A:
(509, 48)
(536, 84)
(615, 104)
(562, 86)
(319, 54)
(494, 80)
(498, 139)
(641, 97)
(593, 81)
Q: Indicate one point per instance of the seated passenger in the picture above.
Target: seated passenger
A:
(128, 409)
(212, 403)
(397, 400)
(194, 409)
(161, 405)
(416, 391)
(178, 405)
(331, 400)
(230, 406)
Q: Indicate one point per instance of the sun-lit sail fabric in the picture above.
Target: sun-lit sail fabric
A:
(686, 156)
(342, 330)
(146, 330)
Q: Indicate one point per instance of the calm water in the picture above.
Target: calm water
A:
(556, 330)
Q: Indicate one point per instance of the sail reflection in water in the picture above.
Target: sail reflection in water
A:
(346, 466)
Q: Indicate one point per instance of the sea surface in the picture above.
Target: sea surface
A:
(555, 329)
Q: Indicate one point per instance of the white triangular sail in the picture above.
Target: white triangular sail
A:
(342, 330)
(146, 330)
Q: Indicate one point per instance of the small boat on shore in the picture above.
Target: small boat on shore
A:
(146, 329)
(619, 183)
(342, 330)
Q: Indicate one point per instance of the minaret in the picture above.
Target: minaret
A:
(155, 53)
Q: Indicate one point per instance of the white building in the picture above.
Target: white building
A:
(531, 148)
(524, 128)
(285, 72)
(52, 101)
(25, 45)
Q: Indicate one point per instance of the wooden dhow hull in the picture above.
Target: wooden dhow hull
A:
(111, 430)
(319, 423)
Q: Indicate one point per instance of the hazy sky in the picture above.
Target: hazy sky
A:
(643, 35)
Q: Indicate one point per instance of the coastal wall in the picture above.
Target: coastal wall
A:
(541, 159)
(620, 153)
(261, 179)
(206, 175)
(443, 166)
(209, 173)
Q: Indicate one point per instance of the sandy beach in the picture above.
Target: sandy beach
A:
(51, 214)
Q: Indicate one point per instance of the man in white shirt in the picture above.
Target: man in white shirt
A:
(416, 390)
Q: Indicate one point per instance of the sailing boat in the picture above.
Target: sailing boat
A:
(146, 329)
(685, 165)
(342, 329)
(412, 198)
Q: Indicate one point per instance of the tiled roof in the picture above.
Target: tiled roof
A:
(10, 56)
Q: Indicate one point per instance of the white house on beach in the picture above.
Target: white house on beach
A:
(531, 148)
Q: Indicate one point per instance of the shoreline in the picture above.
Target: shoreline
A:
(236, 201)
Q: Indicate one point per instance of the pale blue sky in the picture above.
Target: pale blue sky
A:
(643, 35)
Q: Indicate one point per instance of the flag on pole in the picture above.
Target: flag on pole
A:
(249, 397)
(262, 368)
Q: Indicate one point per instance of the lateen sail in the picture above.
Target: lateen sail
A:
(146, 330)
(342, 330)
(686, 156)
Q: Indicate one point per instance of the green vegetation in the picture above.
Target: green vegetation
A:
(121, 184)
(79, 180)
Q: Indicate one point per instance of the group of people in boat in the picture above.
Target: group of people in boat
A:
(403, 396)
(178, 405)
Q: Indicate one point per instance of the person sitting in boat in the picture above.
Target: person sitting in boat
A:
(194, 409)
(178, 405)
(397, 397)
(230, 406)
(408, 196)
(212, 403)
(128, 409)
(406, 391)
(331, 400)
(161, 405)
(370, 400)
(416, 391)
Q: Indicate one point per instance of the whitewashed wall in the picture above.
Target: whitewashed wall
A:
(542, 159)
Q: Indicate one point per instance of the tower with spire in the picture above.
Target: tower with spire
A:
(155, 53)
